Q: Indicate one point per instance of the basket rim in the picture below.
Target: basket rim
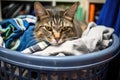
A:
(61, 63)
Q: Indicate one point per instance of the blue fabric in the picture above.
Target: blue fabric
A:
(18, 32)
(110, 15)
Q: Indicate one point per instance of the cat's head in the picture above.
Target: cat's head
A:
(55, 26)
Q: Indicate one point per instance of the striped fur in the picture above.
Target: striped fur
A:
(56, 26)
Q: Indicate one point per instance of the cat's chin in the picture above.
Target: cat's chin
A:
(56, 44)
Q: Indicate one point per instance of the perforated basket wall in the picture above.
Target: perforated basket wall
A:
(93, 66)
(14, 72)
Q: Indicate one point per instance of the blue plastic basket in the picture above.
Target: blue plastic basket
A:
(93, 66)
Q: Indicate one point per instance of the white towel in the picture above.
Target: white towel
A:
(94, 38)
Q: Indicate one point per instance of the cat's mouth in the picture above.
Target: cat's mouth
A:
(56, 42)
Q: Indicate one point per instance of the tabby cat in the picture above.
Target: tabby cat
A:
(56, 26)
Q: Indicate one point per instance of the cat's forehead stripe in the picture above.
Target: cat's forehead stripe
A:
(57, 22)
(53, 24)
(50, 23)
(60, 22)
(54, 20)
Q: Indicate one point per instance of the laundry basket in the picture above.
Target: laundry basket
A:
(93, 66)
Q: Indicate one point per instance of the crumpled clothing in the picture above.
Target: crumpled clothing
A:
(18, 33)
(94, 38)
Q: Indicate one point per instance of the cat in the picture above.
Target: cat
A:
(57, 26)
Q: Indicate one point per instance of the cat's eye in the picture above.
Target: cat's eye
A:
(48, 28)
(64, 28)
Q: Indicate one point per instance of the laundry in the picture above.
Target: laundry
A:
(94, 38)
(14, 32)
(14, 35)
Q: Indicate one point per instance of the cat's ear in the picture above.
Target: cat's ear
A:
(39, 10)
(70, 12)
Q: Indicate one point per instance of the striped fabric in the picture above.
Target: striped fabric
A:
(17, 33)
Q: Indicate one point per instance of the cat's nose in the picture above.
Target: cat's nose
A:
(57, 36)
(57, 39)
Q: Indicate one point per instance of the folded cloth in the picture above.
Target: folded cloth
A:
(94, 38)
(37, 47)
(17, 33)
